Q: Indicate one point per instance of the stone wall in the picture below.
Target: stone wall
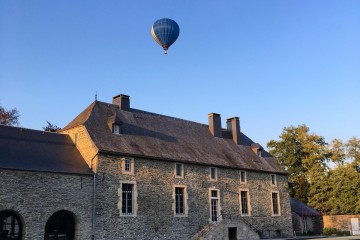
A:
(35, 196)
(155, 182)
(340, 222)
(307, 224)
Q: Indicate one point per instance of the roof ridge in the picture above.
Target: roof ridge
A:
(81, 118)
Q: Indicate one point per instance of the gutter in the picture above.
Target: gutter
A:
(94, 198)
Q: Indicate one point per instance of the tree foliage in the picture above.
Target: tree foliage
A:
(9, 117)
(305, 156)
(51, 127)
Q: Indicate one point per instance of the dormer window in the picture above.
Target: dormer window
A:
(258, 152)
(116, 128)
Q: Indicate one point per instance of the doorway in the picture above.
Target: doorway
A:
(60, 226)
(233, 233)
(10, 225)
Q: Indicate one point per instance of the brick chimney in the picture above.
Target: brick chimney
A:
(215, 124)
(233, 125)
(123, 101)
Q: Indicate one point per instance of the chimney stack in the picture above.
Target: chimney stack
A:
(123, 101)
(215, 124)
(233, 125)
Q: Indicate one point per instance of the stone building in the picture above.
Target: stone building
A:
(155, 177)
(306, 220)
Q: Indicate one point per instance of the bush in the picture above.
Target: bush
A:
(329, 231)
(334, 231)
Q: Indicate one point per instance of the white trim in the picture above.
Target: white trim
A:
(278, 203)
(116, 128)
(248, 201)
(186, 207)
(134, 202)
(219, 217)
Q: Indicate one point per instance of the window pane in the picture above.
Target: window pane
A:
(242, 176)
(127, 164)
(179, 200)
(213, 173)
(244, 203)
(127, 198)
(275, 203)
(178, 170)
(214, 194)
(273, 180)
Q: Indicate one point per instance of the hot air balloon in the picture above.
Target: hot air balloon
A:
(165, 31)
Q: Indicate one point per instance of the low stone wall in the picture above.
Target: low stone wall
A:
(341, 222)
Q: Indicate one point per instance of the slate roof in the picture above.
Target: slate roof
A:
(302, 209)
(151, 135)
(32, 150)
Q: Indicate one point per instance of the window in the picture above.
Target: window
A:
(214, 206)
(116, 128)
(127, 165)
(275, 204)
(128, 197)
(242, 176)
(273, 179)
(258, 151)
(180, 201)
(244, 203)
(213, 174)
(179, 170)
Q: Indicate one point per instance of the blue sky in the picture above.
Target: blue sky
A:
(272, 63)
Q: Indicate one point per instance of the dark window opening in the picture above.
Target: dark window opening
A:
(179, 201)
(213, 173)
(273, 179)
(127, 165)
(275, 203)
(242, 176)
(60, 226)
(244, 203)
(10, 226)
(127, 199)
(178, 170)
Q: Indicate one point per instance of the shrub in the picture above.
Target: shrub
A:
(329, 231)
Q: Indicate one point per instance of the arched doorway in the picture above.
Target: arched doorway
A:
(60, 226)
(10, 225)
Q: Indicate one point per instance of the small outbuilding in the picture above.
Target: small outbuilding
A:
(306, 220)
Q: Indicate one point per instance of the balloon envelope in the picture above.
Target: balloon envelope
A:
(165, 31)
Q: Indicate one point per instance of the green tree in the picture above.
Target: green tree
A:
(353, 152)
(304, 155)
(337, 152)
(9, 117)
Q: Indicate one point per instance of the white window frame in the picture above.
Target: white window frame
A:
(219, 217)
(182, 170)
(245, 177)
(278, 204)
(116, 128)
(273, 176)
(216, 174)
(258, 152)
(123, 165)
(186, 208)
(134, 199)
(248, 202)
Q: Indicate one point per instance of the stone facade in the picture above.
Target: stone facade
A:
(155, 181)
(307, 224)
(35, 196)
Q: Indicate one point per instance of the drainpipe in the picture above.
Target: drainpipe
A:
(93, 202)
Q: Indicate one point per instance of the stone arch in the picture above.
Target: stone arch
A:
(11, 225)
(60, 225)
